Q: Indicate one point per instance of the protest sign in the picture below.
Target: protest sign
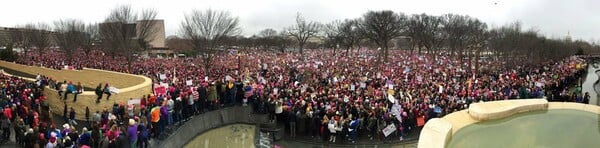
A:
(133, 101)
(389, 130)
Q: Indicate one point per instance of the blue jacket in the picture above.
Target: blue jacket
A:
(71, 88)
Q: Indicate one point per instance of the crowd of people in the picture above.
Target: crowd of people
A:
(333, 96)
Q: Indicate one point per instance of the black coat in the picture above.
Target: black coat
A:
(178, 105)
(202, 93)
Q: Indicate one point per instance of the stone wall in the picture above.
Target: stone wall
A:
(438, 131)
(502, 109)
(210, 120)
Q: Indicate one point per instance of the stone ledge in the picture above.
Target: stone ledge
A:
(431, 137)
(435, 134)
(501, 109)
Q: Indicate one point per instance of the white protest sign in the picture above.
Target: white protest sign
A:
(188, 83)
(391, 98)
(396, 108)
(134, 101)
(163, 76)
(113, 90)
(389, 130)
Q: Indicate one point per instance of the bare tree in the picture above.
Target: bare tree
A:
(39, 36)
(69, 35)
(283, 41)
(350, 34)
(91, 38)
(146, 28)
(18, 38)
(206, 29)
(267, 38)
(269, 32)
(425, 31)
(302, 31)
(334, 34)
(121, 35)
(381, 27)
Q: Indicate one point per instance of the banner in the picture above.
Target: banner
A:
(133, 101)
(160, 90)
(113, 90)
(166, 85)
(389, 130)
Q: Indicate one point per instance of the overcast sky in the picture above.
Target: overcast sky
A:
(554, 18)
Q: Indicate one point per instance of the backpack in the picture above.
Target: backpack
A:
(143, 131)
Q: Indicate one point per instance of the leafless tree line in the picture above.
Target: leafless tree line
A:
(206, 32)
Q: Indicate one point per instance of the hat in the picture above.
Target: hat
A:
(131, 122)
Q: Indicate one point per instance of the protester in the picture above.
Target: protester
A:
(336, 94)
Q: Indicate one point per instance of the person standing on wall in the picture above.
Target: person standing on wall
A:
(99, 92)
(106, 91)
(78, 90)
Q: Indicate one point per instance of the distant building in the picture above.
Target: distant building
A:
(6, 35)
(133, 31)
(158, 32)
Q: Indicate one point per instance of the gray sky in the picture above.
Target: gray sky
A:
(554, 18)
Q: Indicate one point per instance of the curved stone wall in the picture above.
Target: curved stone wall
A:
(502, 109)
(210, 120)
(89, 78)
(436, 133)
(142, 86)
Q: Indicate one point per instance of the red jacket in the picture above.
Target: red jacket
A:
(8, 113)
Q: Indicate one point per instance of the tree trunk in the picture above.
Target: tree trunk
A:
(477, 55)
(469, 62)
(347, 52)
(386, 53)
(301, 51)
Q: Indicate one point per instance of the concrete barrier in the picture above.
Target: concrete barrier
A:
(436, 134)
(210, 120)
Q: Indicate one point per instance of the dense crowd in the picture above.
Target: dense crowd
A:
(333, 96)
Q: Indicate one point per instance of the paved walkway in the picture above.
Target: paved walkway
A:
(410, 141)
